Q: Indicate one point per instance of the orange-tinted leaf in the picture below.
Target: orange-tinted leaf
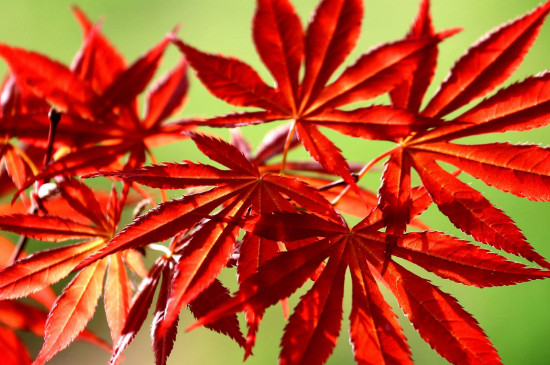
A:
(164, 221)
(72, 311)
(83, 200)
(48, 228)
(15, 166)
(20, 316)
(42, 269)
(117, 295)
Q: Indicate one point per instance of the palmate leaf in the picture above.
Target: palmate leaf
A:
(242, 191)
(98, 100)
(281, 248)
(362, 249)
(75, 306)
(283, 47)
(522, 169)
(72, 311)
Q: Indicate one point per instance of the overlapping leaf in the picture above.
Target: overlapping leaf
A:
(73, 309)
(97, 98)
(362, 249)
(242, 191)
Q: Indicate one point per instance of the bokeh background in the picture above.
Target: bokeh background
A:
(517, 318)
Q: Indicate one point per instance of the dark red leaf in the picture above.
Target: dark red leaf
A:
(163, 343)
(375, 334)
(313, 328)
(138, 309)
(209, 299)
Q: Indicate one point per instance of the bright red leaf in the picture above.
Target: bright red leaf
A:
(283, 47)
(315, 322)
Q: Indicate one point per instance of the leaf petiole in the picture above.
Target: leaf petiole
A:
(363, 172)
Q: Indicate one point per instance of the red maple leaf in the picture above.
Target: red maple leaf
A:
(374, 333)
(241, 192)
(75, 306)
(284, 47)
(522, 170)
(97, 98)
(20, 316)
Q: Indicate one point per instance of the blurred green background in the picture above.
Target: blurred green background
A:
(517, 318)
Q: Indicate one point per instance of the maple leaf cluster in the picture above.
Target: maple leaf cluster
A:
(283, 224)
